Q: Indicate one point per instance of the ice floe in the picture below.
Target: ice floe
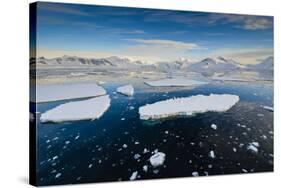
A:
(56, 92)
(126, 90)
(79, 110)
(157, 159)
(179, 82)
(188, 106)
(145, 168)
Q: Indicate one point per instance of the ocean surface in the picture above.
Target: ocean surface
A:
(119, 143)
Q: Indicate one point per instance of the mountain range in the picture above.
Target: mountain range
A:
(206, 66)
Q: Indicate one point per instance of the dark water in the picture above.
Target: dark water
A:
(92, 151)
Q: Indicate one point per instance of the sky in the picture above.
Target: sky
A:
(150, 35)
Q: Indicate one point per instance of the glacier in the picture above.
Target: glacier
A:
(89, 109)
(188, 106)
(56, 92)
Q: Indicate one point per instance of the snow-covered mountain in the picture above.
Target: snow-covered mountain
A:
(265, 64)
(113, 61)
(210, 66)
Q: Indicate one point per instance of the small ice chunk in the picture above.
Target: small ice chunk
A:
(90, 165)
(124, 146)
(269, 108)
(145, 151)
(234, 149)
(134, 175)
(188, 106)
(136, 143)
(253, 147)
(214, 126)
(58, 175)
(212, 154)
(126, 90)
(157, 159)
(195, 174)
(137, 156)
(145, 168)
(76, 137)
(89, 109)
(122, 119)
(244, 170)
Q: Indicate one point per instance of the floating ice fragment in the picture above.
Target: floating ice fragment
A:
(157, 159)
(126, 90)
(269, 108)
(124, 146)
(134, 175)
(145, 151)
(58, 175)
(234, 149)
(137, 156)
(188, 106)
(214, 126)
(195, 174)
(122, 119)
(212, 154)
(253, 147)
(244, 170)
(145, 168)
(89, 109)
(90, 165)
(56, 92)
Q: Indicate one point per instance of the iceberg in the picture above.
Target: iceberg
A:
(79, 110)
(179, 82)
(56, 92)
(157, 159)
(126, 90)
(188, 106)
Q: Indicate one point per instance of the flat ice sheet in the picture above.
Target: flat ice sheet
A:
(89, 109)
(187, 106)
(126, 90)
(179, 82)
(56, 92)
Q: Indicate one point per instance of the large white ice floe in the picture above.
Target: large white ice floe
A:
(126, 90)
(89, 109)
(188, 106)
(179, 82)
(56, 92)
(157, 159)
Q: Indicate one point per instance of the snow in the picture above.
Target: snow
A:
(174, 82)
(134, 175)
(214, 126)
(188, 106)
(126, 90)
(269, 108)
(91, 109)
(56, 92)
(157, 159)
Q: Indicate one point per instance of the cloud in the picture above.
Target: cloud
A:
(246, 22)
(157, 49)
(62, 9)
(166, 44)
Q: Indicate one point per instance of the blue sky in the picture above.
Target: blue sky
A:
(150, 35)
